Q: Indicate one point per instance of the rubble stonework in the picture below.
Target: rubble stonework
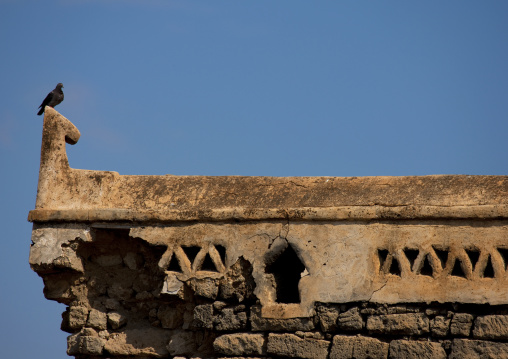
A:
(265, 267)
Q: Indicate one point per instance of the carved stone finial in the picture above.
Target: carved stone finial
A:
(57, 130)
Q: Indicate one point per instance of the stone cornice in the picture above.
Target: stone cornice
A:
(351, 213)
(67, 194)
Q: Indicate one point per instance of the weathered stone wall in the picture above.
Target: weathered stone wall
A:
(213, 267)
(128, 297)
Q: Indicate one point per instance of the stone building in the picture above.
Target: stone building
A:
(266, 267)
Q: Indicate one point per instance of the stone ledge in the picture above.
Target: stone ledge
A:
(343, 213)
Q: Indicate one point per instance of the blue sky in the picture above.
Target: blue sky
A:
(264, 88)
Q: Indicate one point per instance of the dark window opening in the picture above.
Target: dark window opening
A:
(222, 253)
(395, 267)
(382, 254)
(208, 264)
(489, 269)
(474, 255)
(457, 270)
(174, 266)
(504, 254)
(191, 252)
(286, 269)
(411, 255)
(443, 256)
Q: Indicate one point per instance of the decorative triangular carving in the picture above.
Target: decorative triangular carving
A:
(208, 264)
(382, 255)
(442, 254)
(457, 270)
(473, 255)
(504, 254)
(174, 266)
(395, 267)
(411, 255)
(426, 268)
(191, 252)
(488, 272)
(222, 253)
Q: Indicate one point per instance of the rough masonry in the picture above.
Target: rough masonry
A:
(267, 267)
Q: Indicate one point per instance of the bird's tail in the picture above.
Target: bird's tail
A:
(41, 111)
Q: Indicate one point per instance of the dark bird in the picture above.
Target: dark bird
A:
(54, 98)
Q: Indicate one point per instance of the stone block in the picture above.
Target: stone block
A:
(73, 344)
(346, 347)
(143, 341)
(440, 326)
(240, 344)
(461, 324)
(219, 305)
(74, 318)
(473, 349)
(350, 320)
(290, 345)
(203, 316)
(204, 287)
(259, 323)
(408, 349)
(91, 345)
(402, 309)
(85, 344)
(405, 324)
(491, 327)
(229, 320)
(88, 332)
(116, 320)
(327, 318)
(97, 319)
(173, 286)
(51, 249)
(171, 317)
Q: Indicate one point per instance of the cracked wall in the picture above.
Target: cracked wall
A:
(317, 267)
(214, 289)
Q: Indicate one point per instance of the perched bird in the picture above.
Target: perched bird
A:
(54, 98)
